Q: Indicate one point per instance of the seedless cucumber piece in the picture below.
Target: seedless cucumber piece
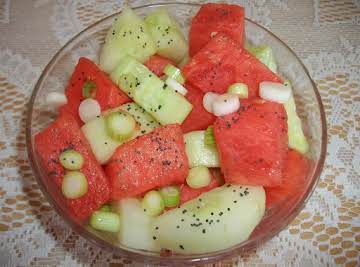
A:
(241, 89)
(105, 221)
(71, 160)
(170, 195)
(198, 177)
(120, 125)
(153, 203)
(74, 185)
(173, 72)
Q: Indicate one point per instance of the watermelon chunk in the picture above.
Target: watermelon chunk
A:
(216, 18)
(187, 193)
(157, 64)
(199, 118)
(150, 161)
(295, 171)
(107, 93)
(252, 143)
(62, 134)
(223, 62)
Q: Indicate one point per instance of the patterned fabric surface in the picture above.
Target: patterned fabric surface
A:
(326, 36)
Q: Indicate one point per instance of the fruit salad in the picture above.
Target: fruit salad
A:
(173, 142)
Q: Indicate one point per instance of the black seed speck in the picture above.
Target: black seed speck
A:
(156, 228)
(228, 209)
(182, 247)
(184, 211)
(154, 237)
(203, 231)
(178, 226)
(211, 213)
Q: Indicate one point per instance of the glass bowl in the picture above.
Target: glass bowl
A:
(88, 42)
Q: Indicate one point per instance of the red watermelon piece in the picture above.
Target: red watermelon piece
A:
(295, 172)
(252, 143)
(62, 134)
(107, 93)
(216, 18)
(187, 193)
(150, 161)
(199, 118)
(223, 62)
(157, 64)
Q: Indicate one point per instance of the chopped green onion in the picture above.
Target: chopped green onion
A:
(74, 185)
(89, 89)
(209, 138)
(105, 221)
(153, 203)
(120, 125)
(241, 89)
(174, 73)
(170, 195)
(198, 177)
(105, 207)
(71, 160)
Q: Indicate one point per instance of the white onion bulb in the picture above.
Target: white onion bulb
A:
(89, 109)
(208, 100)
(225, 104)
(172, 83)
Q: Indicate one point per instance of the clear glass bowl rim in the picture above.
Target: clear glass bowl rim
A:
(150, 257)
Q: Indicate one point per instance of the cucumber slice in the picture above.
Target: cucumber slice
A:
(296, 137)
(151, 93)
(102, 145)
(216, 220)
(168, 38)
(146, 122)
(198, 177)
(135, 229)
(120, 125)
(198, 153)
(71, 160)
(128, 35)
(265, 55)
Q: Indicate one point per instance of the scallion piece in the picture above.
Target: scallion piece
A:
(241, 89)
(174, 73)
(153, 203)
(74, 185)
(105, 207)
(105, 221)
(209, 138)
(120, 125)
(170, 195)
(89, 89)
(198, 177)
(71, 160)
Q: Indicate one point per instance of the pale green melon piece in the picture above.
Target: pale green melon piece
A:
(218, 219)
(135, 230)
(128, 35)
(265, 55)
(150, 92)
(167, 35)
(198, 153)
(296, 137)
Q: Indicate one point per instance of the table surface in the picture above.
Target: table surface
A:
(326, 36)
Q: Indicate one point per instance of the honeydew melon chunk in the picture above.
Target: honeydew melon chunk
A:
(198, 153)
(216, 220)
(150, 92)
(135, 230)
(167, 35)
(128, 35)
